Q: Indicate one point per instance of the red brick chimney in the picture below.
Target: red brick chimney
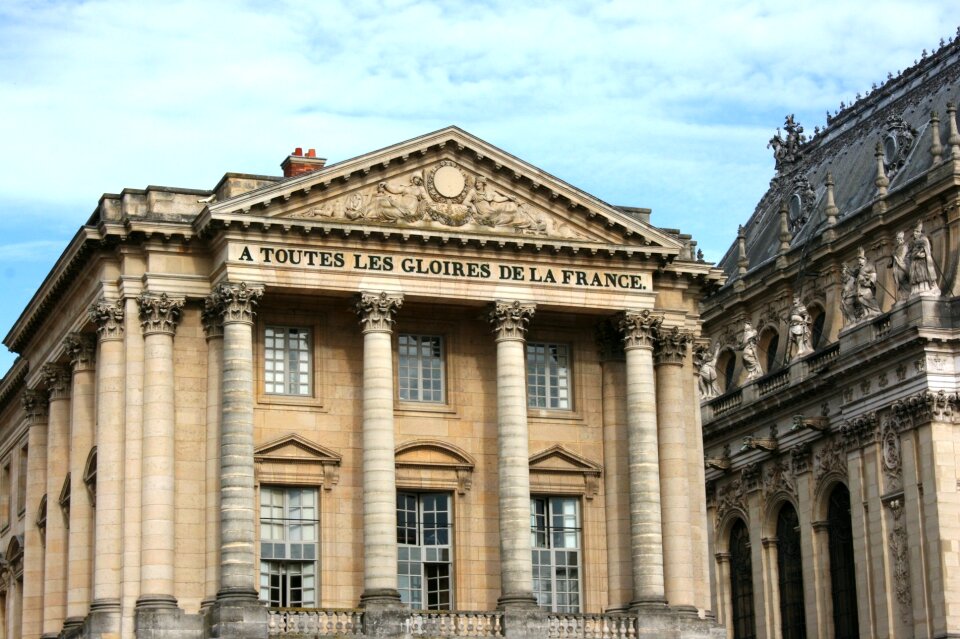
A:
(297, 163)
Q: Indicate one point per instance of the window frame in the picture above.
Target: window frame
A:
(286, 563)
(315, 324)
(406, 556)
(286, 351)
(444, 391)
(538, 552)
(570, 408)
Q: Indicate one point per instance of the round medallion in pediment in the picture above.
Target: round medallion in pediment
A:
(446, 182)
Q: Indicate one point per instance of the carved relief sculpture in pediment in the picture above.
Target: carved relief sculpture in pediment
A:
(444, 195)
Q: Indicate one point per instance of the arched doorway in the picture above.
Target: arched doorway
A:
(843, 579)
(790, 566)
(741, 582)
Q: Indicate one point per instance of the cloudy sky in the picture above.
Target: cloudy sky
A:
(667, 105)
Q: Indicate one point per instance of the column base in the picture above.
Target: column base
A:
(50, 635)
(685, 610)
(380, 599)
(519, 601)
(235, 618)
(72, 627)
(156, 602)
(669, 623)
(653, 604)
(616, 610)
(207, 602)
(238, 596)
(104, 617)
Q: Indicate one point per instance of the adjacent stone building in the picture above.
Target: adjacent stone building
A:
(830, 381)
(429, 391)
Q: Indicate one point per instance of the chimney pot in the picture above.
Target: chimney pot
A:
(298, 163)
(298, 151)
(312, 153)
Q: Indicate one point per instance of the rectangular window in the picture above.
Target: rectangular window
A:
(289, 528)
(423, 550)
(6, 503)
(548, 375)
(555, 540)
(287, 360)
(420, 368)
(22, 482)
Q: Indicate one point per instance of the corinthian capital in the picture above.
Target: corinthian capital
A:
(108, 316)
(639, 328)
(211, 318)
(510, 319)
(671, 345)
(82, 349)
(235, 303)
(159, 313)
(376, 311)
(57, 379)
(34, 402)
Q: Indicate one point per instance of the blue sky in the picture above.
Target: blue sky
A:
(667, 105)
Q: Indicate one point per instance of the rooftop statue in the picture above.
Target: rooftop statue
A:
(787, 150)
(859, 296)
(748, 349)
(920, 267)
(799, 329)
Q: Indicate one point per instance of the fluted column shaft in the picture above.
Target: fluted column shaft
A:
(213, 328)
(158, 318)
(110, 429)
(35, 407)
(379, 467)
(235, 304)
(510, 321)
(57, 378)
(81, 348)
(671, 346)
(646, 535)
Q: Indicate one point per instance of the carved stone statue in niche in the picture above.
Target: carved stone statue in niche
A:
(901, 276)
(706, 361)
(920, 266)
(799, 330)
(859, 297)
(748, 351)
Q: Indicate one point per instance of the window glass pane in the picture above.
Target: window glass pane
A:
(555, 538)
(548, 376)
(287, 360)
(288, 568)
(423, 554)
(420, 368)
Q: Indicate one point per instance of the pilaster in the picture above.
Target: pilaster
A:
(35, 407)
(213, 329)
(57, 380)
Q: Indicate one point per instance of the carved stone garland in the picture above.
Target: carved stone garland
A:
(891, 457)
(899, 552)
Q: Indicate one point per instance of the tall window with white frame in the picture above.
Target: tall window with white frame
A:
(548, 375)
(424, 554)
(555, 538)
(420, 376)
(289, 527)
(287, 360)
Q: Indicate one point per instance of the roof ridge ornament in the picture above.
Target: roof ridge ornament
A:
(787, 151)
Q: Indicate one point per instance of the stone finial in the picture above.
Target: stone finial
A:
(954, 139)
(510, 319)
(35, 405)
(376, 311)
(831, 210)
(82, 349)
(882, 181)
(108, 316)
(670, 346)
(742, 262)
(159, 313)
(936, 149)
(639, 328)
(235, 303)
(785, 236)
(609, 341)
(57, 379)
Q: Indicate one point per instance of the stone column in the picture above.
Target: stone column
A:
(57, 379)
(105, 609)
(82, 348)
(35, 407)
(379, 470)
(133, 451)
(696, 481)
(675, 508)
(159, 315)
(510, 321)
(615, 463)
(213, 329)
(646, 537)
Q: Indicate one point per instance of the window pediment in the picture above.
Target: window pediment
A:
(433, 464)
(559, 470)
(293, 459)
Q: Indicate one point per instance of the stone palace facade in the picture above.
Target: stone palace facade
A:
(429, 391)
(830, 380)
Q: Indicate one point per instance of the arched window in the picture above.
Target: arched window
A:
(769, 343)
(843, 581)
(727, 365)
(741, 582)
(790, 565)
(816, 331)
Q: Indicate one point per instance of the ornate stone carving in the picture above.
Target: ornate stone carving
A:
(786, 151)
(901, 274)
(376, 310)
(831, 459)
(721, 463)
(921, 270)
(609, 341)
(769, 444)
(450, 197)
(899, 552)
(235, 302)
(778, 477)
(748, 351)
(159, 313)
(750, 475)
(732, 496)
(705, 363)
(924, 407)
(802, 201)
(639, 328)
(211, 318)
(108, 316)
(800, 458)
(859, 295)
(671, 345)
(897, 144)
(891, 457)
(82, 349)
(860, 431)
(57, 379)
(799, 330)
(35, 405)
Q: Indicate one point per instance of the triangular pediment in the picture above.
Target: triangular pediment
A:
(558, 459)
(446, 182)
(293, 447)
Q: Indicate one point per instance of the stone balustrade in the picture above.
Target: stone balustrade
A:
(727, 402)
(314, 623)
(455, 624)
(570, 626)
(774, 382)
